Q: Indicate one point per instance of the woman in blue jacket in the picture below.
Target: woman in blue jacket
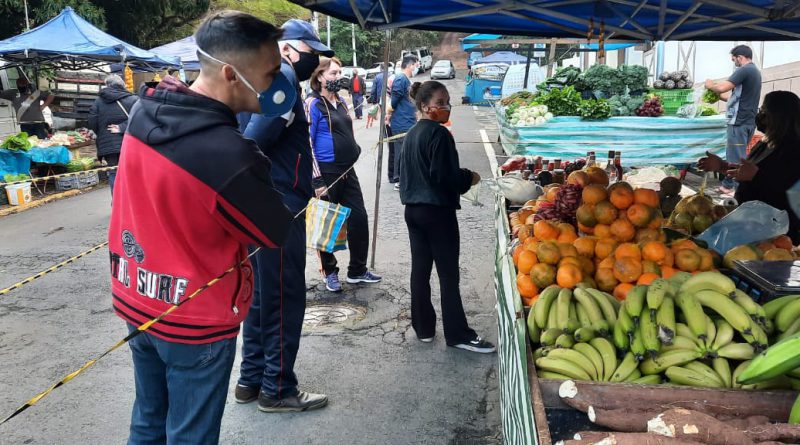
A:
(336, 152)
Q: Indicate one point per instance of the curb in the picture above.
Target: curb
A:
(47, 199)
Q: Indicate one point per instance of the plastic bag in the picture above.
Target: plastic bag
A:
(751, 222)
(326, 225)
(471, 196)
(516, 189)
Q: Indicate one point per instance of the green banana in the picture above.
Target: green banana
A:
(681, 342)
(605, 305)
(589, 304)
(756, 336)
(542, 307)
(779, 382)
(727, 308)
(620, 337)
(625, 320)
(552, 375)
(584, 334)
(688, 377)
(602, 327)
(609, 354)
(565, 341)
(793, 329)
(737, 351)
(594, 356)
(583, 317)
(573, 325)
(548, 337)
(679, 278)
(795, 383)
(778, 359)
(648, 380)
(713, 281)
(724, 335)
(577, 358)
(707, 371)
(552, 317)
(656, 293)
(533, 330)
(635, 302)
(769, 326)
(693, 312)
(723, 368)
(541, 352)
(665, 319)
(794, 373)
(771, 308)
(787, 315)
(564, 367)
(649, 333)
(683, 331)
(625, 368)
(637, 345)
(738, 371)
(562, 307)
(794, 415)
(711, 332)
(636, 374)
(752, 308)
(611, 299)
(667, 359)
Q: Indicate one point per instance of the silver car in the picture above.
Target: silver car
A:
(443, 69)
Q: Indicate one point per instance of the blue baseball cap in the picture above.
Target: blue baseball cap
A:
(295, 29)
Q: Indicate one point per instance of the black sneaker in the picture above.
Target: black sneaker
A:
(245, 394)
(477, 345)
(303, 401)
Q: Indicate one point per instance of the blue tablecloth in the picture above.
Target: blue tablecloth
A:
(19, 162)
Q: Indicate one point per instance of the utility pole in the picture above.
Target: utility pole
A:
(353, 32)
(27, 22)
(329, 30)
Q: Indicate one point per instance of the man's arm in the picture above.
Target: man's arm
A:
(720, 87)
(399, 92)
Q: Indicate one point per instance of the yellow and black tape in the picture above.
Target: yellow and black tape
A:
(52, 269)
(62, 175)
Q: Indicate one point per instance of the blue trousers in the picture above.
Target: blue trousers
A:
(272, 329)
(358, 101)
(180, 390)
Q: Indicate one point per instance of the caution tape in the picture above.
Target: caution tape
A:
(52, 269)
(62, 175)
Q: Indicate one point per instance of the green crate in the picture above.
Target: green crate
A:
(672, 100)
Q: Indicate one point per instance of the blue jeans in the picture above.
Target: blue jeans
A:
(358, 100)
(739, 137)
(180, 390)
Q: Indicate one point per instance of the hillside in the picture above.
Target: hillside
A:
(450, 48)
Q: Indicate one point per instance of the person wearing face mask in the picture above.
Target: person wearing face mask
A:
(271, 333)
(336, 151)
(28, 103)
(432, 184)
(771, 168)
(404, 113)
(741, 91)
(196, 194)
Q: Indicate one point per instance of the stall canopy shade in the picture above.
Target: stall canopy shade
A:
(183, 49)
(503, 57)
(473, 40)
(69, 36)
(649, 20)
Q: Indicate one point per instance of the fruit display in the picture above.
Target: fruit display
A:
(651, 107)
(694, 214)
(776, 249)
(530, 116)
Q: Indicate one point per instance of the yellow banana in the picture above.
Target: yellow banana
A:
(681, 342)
(584, 334)
(602, 327)
(533, 330)
(707, 371)
(589, 304)
(656, 293)
(787, 315)
(548, 337)
(649, 333)
(621, 339)
(693, 312)
(577, 358)
(711, 332)
(583, 317)
(727, 308)
(636, 374)
(713, 281)
(564, 367)
(542, 306)
(752, 308)
(684, 376)
(625, 320)
(793, 329)
(609, 354)
(637, 345)
(679, 278)
(541, 352)
(552, 317)
(594, 356)
(562, 308)
(723, 368)
(665, 319)
(667, 359)
(634, 302)
(605, 305)
(737, 351)
(684, 331)
(649, 380)
(552, 375)
(724, 335)
(565, 341)
(738, 371)
(625, 368)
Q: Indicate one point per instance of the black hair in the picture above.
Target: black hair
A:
(742, 50)
(233, 32)
(408, 60)
(782, 109)
(423, 92)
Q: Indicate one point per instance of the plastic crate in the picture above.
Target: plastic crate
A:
(80, 181)
(672, 100)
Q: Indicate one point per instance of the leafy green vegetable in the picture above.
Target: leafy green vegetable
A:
(561, 102)
(80, 164)
(595, 109)
(624, 105)
(707, 110)
(18, 142)
(634, 77)
(710, 97)
(15, 178)
(605, 79)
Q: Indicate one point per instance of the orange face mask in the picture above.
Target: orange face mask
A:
(439, 114)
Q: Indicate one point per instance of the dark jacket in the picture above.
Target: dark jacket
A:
(332, 138)
(363, 90)
(104, 112)
(193, 194)
(429, 167)
(777, 172)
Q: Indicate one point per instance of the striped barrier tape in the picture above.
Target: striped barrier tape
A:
(52, 269)
(62, 175)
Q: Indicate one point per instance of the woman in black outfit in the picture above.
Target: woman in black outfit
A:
(430, 190)
(773, 165)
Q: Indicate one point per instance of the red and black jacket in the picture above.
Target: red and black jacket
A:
(191, 194)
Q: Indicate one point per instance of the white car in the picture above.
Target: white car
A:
(443, 69)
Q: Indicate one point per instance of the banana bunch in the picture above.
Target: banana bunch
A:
(562, 317)
(783, 316)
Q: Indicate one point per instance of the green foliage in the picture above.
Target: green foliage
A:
(16, 178)
(18, 142)
(634, 77)
(149, 23)
(625, 105)
(604, 79)
(594, 109)
(369, 44)
(12, 13)
(561, 102)
(710, 97)
(272, 11)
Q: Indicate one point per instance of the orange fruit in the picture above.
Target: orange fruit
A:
(569, 275)
(569, 260)
(528, 302)
(782, 242)
(531, 244)
(640, 215)
(605, 279)
(645, 235)
(594, 193)
(765, 246)
(548, 252)
(567, 249)
(585, 229)
(627, 270)
(622, 230)
(621, 291)
(688, 260)
(604, 248)
(527, 260)
(515, 254)
(621, 195)
(526, 287)
(587, 265)
(525, 231)
(647, 197)
(606, 263)
(647, 278)
(628, 250)
(605, 213)
(669, 260)
(564, 227)
(578, 177)
(585, 246)
(544, 230)
(551, 193)
(567, 237)
(668, 272)
(651, 267)
(597, 175)
(602, 231)
(543, 275)
(657, 220)
(585, 215)
(683, 244)
(654, 251)
(706, 259)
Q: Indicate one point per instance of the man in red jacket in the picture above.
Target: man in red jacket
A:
(193, 194)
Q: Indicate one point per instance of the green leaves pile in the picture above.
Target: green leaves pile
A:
(16, 178)
(604, 79)
(594, 109)
(18, 142)
(561, 102)
(710, 97)
(625, 105)
(80, 164)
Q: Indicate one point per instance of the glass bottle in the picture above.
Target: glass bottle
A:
(610, 170)
(618, 165)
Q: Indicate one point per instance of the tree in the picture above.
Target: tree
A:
(149, 23)
(12, 13)
(272, 11)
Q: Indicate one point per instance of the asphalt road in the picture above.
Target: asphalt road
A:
(385, 386)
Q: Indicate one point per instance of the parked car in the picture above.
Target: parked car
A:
(378, 67)
(423, 54)
(443, 69)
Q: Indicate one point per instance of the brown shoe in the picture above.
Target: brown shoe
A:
(245, 394)
(303, 401)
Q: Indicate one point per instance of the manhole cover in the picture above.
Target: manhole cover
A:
(327, 314)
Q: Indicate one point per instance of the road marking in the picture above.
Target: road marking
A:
(487, 146)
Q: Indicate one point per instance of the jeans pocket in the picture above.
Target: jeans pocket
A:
(185, 356)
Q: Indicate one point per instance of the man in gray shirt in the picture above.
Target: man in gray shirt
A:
(742, 91)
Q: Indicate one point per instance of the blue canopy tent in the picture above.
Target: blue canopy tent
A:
(70, 41)
(508, 57)
(183, 49)
(466, 42)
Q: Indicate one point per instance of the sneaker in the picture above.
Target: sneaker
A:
(426, 339)
(368, 277)
(332, 282)
(245, 394)
(397, 186)
(476, 345)
(303, 401)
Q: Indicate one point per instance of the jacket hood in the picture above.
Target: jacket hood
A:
(113, 94)
(171, 111)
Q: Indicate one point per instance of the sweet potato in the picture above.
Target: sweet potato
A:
(692, 425)
(633, 439)
(774, 431)
(623, 420)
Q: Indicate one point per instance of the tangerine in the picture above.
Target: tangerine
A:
(587, 265)
(782, 242)
(569, 260)
(706, 260)
(628, 250)
(594, 193)
(527, 260)
(627, 270)
(567, 237)
(578, 177)
(654, 251)
(651, 267)
(657, 220)
(640, 215)
(645, 235)
(647, 278)
(585, 246)
(688, 260)
(668, 272)
(551, 193)
(605, 212)
(669, 260)
(605, 279)
(585, 215)
(567, 249)
(526, 287)
(544, 230)
(765, 246)
(622, 230)
(525, 231)
(548, 252)
(602, 231)
(621, 291)
(543, 275)
(585, 229)
(683, 244)
(606, 263)
(647, 197)
(569, 276)
(604, 248)
(621, 195)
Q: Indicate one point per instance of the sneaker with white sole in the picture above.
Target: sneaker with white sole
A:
(367, 277)
(332, 282)
(477, 345)
(426, 339)
(397, 186)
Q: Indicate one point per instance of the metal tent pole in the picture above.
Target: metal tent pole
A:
(382, 125)
(527, 66)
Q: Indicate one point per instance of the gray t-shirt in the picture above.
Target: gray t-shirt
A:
(33, 113)
(743, 103)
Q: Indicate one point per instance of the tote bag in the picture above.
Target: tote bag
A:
(326, 228)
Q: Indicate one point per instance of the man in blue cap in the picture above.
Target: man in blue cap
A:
(272, 329)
